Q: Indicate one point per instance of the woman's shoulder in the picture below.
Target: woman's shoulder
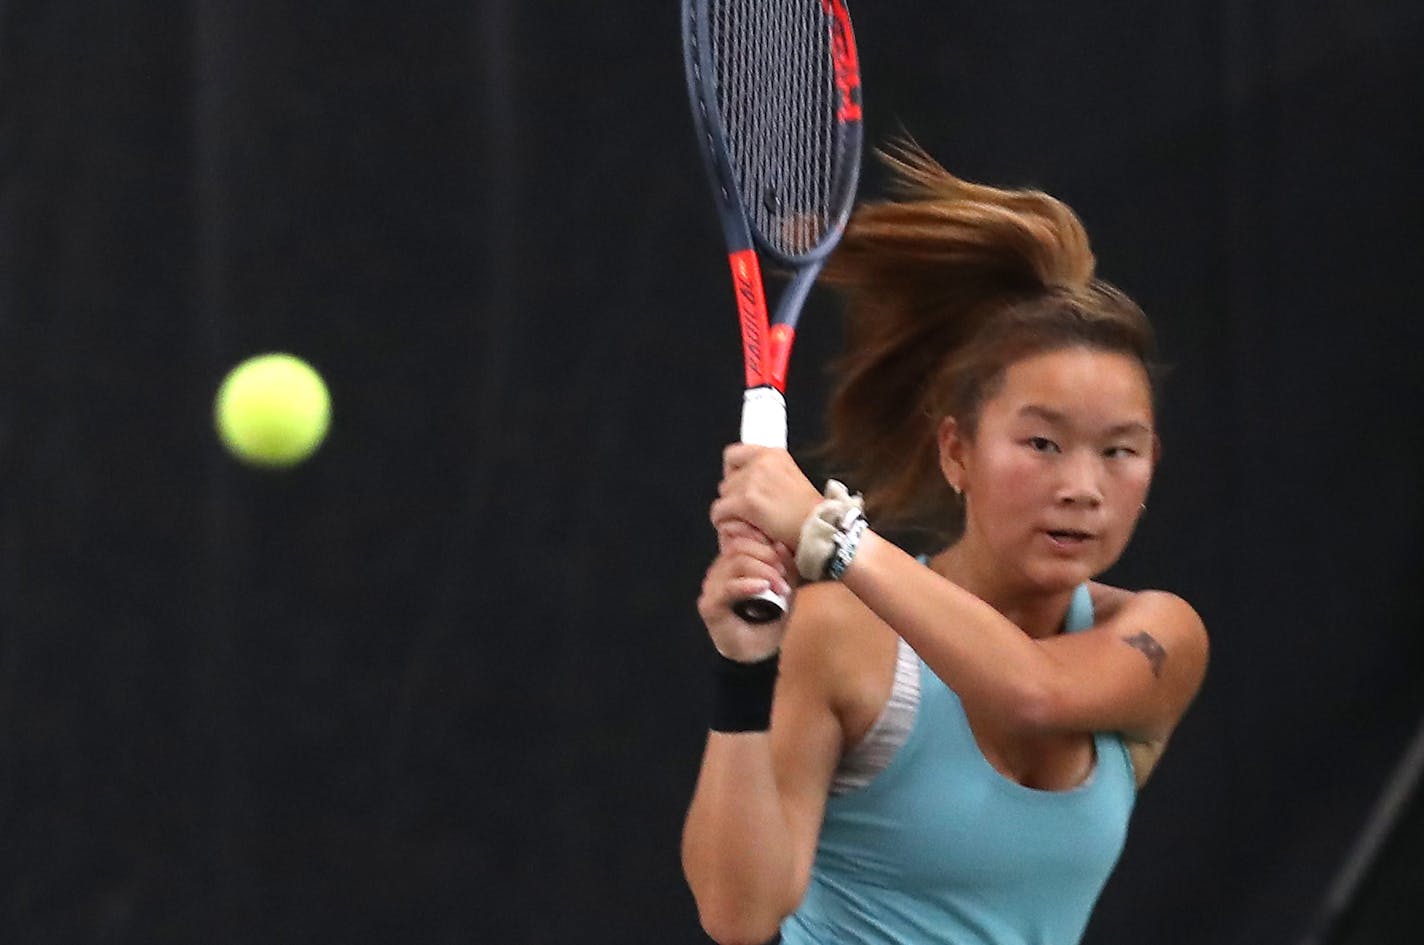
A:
(1110, 602)
(827, 618)
(829, 605)
(1162, 617)
(834, 636)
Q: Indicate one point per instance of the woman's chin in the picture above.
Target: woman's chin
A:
(1059, 574)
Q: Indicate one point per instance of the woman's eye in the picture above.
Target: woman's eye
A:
(1119, 452)
(1042, 444)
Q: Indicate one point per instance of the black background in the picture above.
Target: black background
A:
(445, 682)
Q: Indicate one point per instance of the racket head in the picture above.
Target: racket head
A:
(776, 100)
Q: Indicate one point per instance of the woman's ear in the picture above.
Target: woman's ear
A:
(952, 449)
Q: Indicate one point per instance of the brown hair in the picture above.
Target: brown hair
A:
(946, 286)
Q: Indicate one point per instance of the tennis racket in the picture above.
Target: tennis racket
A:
(776, 100)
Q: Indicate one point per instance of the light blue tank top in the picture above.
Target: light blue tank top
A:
(942, 848)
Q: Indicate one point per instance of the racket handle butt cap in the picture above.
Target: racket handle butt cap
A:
(766, 607)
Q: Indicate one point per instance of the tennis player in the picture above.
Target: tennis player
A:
(943, 749)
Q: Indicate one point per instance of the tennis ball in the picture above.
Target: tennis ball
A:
(272, 410)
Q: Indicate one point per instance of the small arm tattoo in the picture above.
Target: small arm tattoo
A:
(1150, 648)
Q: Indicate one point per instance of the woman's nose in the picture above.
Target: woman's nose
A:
(1080, 484)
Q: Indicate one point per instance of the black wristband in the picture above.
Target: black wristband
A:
(741, 695)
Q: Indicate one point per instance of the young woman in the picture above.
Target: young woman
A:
(943, 749)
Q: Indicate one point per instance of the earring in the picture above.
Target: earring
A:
(1142, 507)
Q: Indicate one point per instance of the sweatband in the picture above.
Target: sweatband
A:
(742, 692)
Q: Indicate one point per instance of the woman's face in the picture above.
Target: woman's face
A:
(1055, 475)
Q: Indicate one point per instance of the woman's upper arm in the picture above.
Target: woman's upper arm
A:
(1134, 673)
(806, 734)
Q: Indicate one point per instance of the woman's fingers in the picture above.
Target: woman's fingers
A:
(766, 488)
(728, 508)
(735, 537)
(737, 455)
(787, 559)
(733, 529)
(749, 558)
(742, 588)
(772, 563)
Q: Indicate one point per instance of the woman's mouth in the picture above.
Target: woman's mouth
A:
(1068, 538)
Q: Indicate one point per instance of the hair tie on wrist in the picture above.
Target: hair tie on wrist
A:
(831, 534)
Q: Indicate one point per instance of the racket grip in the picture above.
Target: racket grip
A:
(763, 424)
(764, 417)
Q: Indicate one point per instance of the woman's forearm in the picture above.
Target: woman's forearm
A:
(736, 846)
(976, 650)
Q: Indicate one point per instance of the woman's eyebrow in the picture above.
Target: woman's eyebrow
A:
(1043, 413)
(1129, 428)
(1058, 418)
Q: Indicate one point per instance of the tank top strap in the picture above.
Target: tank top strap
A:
(1080, 610)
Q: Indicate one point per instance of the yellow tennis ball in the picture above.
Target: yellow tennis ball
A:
(272, 410)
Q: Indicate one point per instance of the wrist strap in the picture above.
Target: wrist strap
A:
(742, 693)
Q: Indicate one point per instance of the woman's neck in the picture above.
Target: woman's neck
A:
(1036, 612)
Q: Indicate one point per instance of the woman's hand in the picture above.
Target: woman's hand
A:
(747, 563)
(765, 488)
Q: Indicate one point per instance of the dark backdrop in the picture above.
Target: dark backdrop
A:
(445, 682)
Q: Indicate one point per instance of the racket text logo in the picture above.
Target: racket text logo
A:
(751, 307)
(845, 60)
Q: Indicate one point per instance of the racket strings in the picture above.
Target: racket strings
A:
(776, 92)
